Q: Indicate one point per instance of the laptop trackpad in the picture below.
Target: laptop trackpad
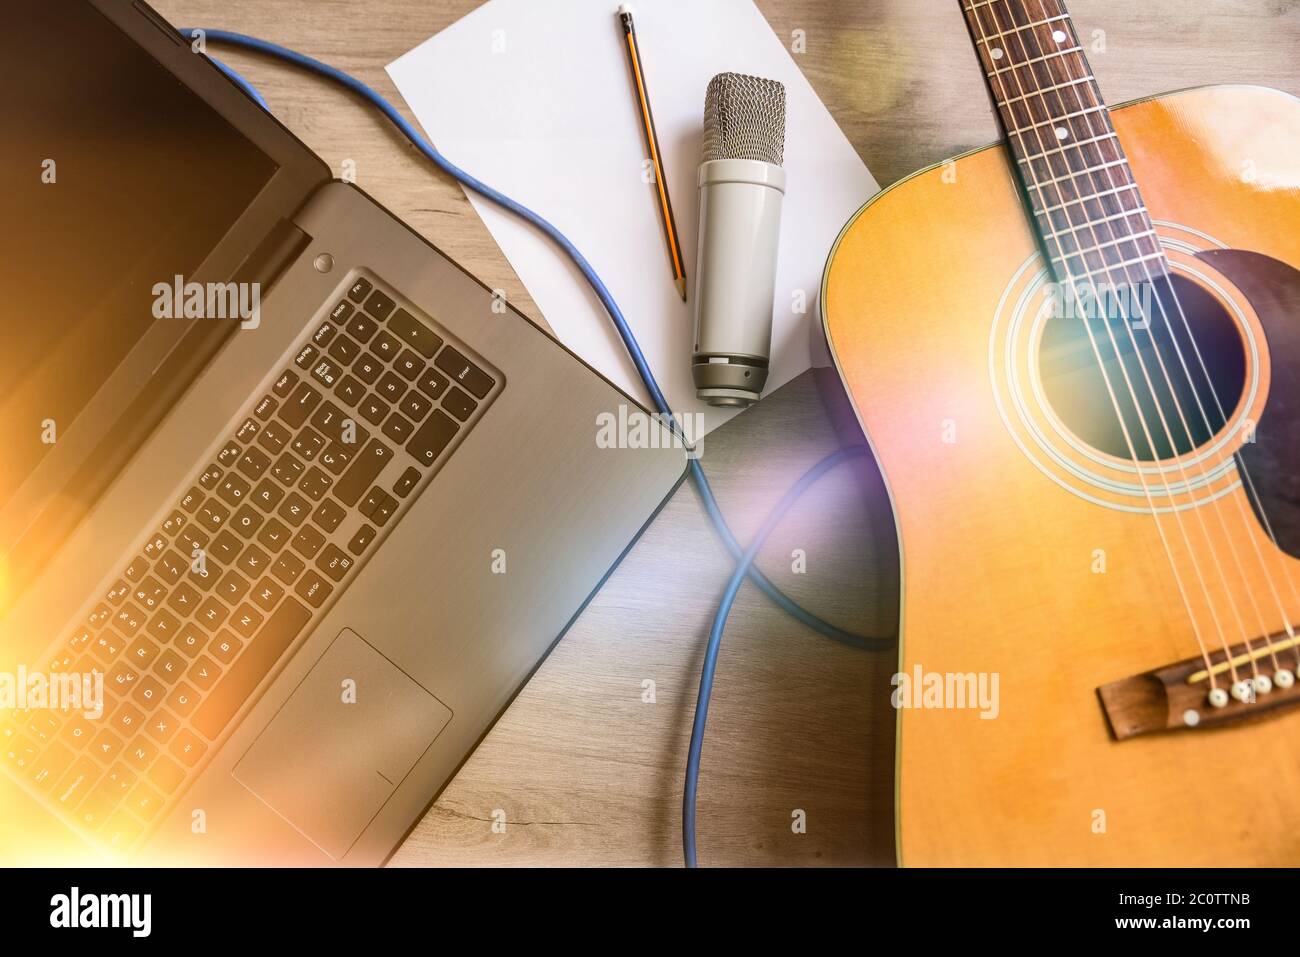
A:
(341, 743)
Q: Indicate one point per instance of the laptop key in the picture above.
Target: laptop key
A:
(360, 289)
(414, 333)
(349, 391)
(144, 802)
(408, 481)
(414, 406)
(364, 536)
(386, 345)
(166, 775)
(433, 383)
(140, 753)
(361, 327)
(324, 334)
(299, 405)
(283, 386)
(267, 594)
(188, 747)
(373, 409)
(341, 312)
(409, 365)
(459, 404)
(313, 589)
(398, 428)
(327, 372)
(295, 509)
(379, 305)
(362, 473)
(247, 520)
(463, 371)
(274, 437)
(308, 541)
(306, 356)
(334, 562)
(76, 782)
(329, 514)
(183, 699)
(432, 437)
(344, 349)
(287, 469)
(192, 500)
(368, 368)
(248, 431)
(121, 831)
(47, 768)
(169, 666)
(384, 510)
(225, 547)
(273, 639)
(390, 387)
(288, 567)
(338, 455)
(274, 535)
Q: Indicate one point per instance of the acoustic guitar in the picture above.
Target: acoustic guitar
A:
(1075, 358)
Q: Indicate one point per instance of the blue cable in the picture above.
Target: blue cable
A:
(744, 558)
(715, 636)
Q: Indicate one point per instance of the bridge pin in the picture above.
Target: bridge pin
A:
(1218, 697)
(1283, 678)
(1263, 684)
(1243, 690)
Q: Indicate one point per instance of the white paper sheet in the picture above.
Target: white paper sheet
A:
(535, 99)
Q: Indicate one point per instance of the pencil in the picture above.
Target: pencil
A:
(652, 144)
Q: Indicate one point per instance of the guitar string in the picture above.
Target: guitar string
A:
(1142, 365)
(1113, 231)
(978, 28)
(1246, 523)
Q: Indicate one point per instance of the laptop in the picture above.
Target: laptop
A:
(307, 500)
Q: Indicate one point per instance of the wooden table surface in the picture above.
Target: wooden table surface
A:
(584, 767)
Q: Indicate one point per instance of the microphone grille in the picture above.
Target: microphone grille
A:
(744, 118)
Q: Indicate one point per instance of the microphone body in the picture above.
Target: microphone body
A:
(741, 186)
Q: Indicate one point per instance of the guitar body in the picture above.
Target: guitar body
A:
(1029, 554)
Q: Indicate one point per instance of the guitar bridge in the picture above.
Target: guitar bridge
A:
(1187, 695)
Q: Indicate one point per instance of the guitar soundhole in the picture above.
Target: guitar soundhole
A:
(1208, 341)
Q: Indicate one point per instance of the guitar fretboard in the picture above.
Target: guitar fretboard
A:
(1086, 205)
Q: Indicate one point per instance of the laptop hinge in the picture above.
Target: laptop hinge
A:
(280, 247)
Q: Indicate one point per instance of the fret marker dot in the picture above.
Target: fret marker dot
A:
(1062, 133)
(996, 53)
(1058, 36)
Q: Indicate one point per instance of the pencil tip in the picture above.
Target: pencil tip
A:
(681, 288)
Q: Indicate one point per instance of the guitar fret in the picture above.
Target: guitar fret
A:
(1139, 210)
(1047, 89)
(1063, 117)
(1075, 173)
(1001, 31)
(1100, 246)
(1084, 199)
(1033, 60)
(1112, 267)
(1027, 26)
(1062, 149)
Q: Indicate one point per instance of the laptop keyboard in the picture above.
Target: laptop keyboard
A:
(316, 471)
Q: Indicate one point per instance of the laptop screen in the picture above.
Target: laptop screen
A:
(116, 177)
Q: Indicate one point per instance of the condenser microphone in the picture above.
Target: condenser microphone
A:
(741, 185)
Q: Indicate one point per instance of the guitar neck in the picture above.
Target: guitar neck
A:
(1085, 202)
